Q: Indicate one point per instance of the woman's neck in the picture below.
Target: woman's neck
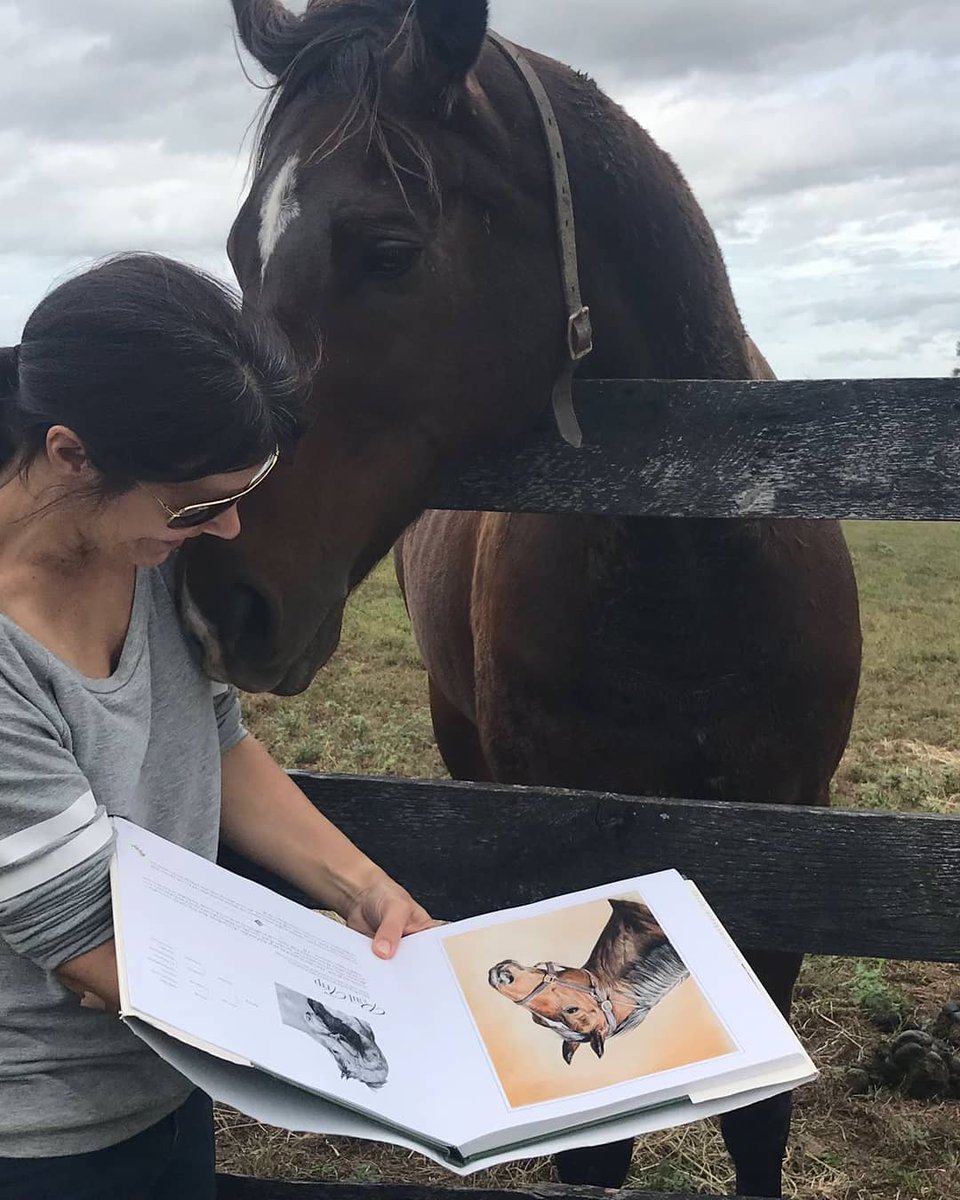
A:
(46, 531)
(56, 583)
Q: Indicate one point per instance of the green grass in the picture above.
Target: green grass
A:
(872, 990)
(367, 713)
(904, 751)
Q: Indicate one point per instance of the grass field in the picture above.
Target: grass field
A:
(367, 713)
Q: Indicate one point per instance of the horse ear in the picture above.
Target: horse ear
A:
(568, 1050)
(270, 32)
(449, 36)
(596, 1041)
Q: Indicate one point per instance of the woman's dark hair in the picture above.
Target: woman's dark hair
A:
(157, 370)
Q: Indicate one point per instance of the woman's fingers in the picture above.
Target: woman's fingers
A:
(391, 929)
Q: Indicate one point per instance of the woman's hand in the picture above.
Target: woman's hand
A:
(93, 977)
(266, 817)
(386, 912)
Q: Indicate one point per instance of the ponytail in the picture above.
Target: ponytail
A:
(9, 372)
(9, 387)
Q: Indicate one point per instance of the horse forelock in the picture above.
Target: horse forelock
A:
(346, 50)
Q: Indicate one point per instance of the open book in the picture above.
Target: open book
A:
(574, 1021)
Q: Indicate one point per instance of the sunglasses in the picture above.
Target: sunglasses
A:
(200, 514)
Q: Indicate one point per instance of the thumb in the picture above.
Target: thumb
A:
(389, 932)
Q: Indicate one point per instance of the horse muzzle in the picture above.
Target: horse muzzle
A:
(503, 974)
(244, 647)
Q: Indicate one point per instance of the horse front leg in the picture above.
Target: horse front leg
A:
(600, 1166)
(756, 1136)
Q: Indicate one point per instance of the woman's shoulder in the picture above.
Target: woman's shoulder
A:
(26, 682)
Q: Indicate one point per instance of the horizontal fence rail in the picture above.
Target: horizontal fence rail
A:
(231, 1187)
(824, 881)
(871, 449)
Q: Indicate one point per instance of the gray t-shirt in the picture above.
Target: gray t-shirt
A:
(144, 744)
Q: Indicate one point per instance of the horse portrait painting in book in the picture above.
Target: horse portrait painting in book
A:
(630, 970)
(402, 221)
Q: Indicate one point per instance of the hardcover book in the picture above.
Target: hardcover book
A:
(573, 1021)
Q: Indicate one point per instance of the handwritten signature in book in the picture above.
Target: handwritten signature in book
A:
(337, 993)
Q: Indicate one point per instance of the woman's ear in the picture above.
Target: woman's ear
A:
(66, 454)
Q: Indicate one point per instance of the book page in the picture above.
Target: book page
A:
(629, 993)
(245, 974)
(571, 1030)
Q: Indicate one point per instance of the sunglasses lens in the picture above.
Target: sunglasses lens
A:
(200, 515)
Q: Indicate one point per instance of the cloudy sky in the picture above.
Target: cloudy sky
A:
(821, 136)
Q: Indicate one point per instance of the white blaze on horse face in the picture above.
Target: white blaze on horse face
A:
(280, 208)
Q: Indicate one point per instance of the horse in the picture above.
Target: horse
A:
(351, 1042)
(403, 217)
(630, 970)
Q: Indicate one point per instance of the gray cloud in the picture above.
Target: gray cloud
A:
(670, 39)
(820, 135)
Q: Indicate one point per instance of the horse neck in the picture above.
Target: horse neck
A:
(624, 1006)
(651, 269)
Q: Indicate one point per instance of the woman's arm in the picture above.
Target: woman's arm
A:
(267, 818)
(93, 976)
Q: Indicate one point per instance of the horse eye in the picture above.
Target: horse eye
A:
(571, 1010)
(389, 260)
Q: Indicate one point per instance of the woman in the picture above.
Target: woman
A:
(139, 409)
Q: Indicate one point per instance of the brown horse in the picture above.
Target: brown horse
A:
(403, 208)
(629, 971)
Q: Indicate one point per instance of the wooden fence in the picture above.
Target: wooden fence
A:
(875, 884)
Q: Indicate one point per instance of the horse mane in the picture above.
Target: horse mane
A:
(630, 934)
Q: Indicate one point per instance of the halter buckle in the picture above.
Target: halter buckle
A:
(580, 334)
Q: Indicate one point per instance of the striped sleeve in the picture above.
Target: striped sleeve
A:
(55, 842)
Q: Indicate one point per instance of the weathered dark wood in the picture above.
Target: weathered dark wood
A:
(235, 1187)
(871, 449)
(825, 881)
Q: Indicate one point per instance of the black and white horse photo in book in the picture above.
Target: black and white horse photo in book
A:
(347, 1038)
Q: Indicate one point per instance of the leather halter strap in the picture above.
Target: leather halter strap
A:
(579, 333)
(552, 973)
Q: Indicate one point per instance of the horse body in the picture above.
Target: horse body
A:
(650, 657)
(403, 208)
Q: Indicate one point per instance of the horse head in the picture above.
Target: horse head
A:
(631, 967)
(350, 1041)
(564, 999)
(400, 229)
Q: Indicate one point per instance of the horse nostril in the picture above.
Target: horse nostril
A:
(249, 617)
